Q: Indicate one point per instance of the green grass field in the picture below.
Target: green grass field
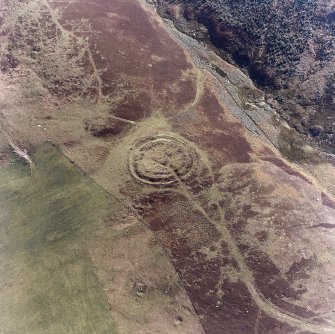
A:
(47, 282)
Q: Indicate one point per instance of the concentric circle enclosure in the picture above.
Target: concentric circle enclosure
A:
(161, 160)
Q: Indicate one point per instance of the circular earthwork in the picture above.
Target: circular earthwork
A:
(161, 160)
